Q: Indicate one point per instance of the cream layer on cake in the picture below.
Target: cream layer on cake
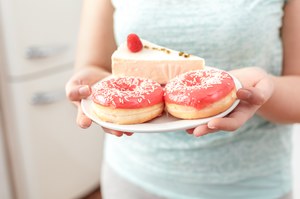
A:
(153, 61)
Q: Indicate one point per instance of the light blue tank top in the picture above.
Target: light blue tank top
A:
(254, 161)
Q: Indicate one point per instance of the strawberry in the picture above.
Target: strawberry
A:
(134, 43)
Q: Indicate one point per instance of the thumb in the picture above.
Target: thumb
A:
(77, 92)
(251, 95)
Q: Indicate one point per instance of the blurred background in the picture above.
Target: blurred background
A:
(43, 154)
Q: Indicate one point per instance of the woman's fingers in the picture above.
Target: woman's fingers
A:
(200, 130)
(82, 120)
(116, 133)
(234, 120)
(258, 88)
(128, 133)
(251, 99)
(77, 92)
(252, 95)
(227, 123)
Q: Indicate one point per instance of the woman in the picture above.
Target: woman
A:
(244, 155)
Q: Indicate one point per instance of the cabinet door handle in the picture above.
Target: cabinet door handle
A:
(38, 52)
(44, 98)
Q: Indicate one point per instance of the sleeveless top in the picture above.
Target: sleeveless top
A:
(252, 162)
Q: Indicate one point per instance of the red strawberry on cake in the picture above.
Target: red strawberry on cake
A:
(134, 43)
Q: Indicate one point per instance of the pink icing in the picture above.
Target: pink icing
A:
(127, 92)
(199, 88)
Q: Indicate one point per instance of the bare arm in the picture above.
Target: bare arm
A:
(274, 98)
(96, 36)
(93, 60)
(283, 106)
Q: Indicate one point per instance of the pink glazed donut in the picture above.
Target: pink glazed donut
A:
(199, 94)
(127, 100)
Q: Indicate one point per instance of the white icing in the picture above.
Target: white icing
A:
(150, 54)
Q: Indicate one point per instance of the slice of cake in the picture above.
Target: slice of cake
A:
(142, 58)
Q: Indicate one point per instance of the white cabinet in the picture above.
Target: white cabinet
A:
(39, 34)
(50, 156)
(53, 157)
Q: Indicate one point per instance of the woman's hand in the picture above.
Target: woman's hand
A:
(257, 89)
(79, 87)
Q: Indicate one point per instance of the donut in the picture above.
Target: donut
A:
(199, 94)
(127, 100)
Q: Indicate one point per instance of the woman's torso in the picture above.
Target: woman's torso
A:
(228, 35)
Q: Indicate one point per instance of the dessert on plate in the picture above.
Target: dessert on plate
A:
(134, 93)
(200, 94)
(127, 100)
(139, 57)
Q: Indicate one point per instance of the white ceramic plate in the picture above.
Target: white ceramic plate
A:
(164, 123)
